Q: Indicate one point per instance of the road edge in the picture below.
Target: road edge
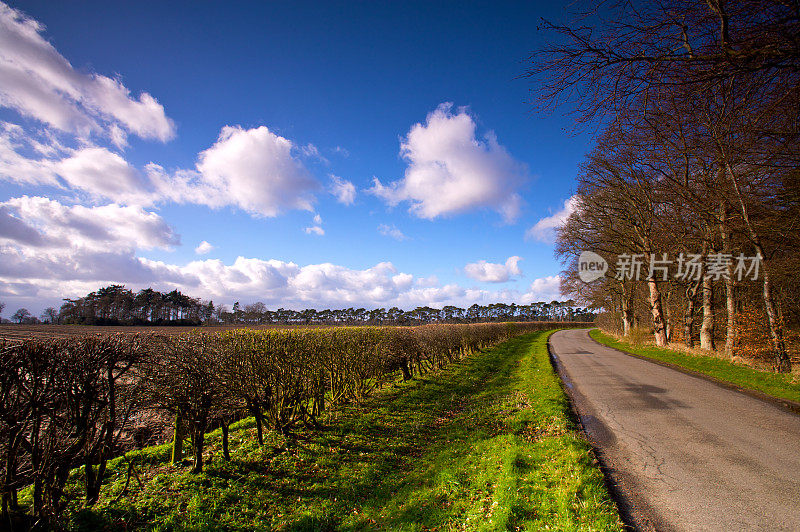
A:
(625, 508)
(784, 404)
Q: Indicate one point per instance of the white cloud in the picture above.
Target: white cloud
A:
(45, 223)
(451, 171)
(37, 81)
(52, 248)
(18, 168)
(30, 272)
(203, 248)
(93, 170)
(391, 231)
(314, 230)
(545, 229)
(103, 174)
(489, 272)
(428, 282)
(49, 250)
(253, 169)
(543, 289)
(343, 190)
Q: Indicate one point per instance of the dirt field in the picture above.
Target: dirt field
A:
(25, 332)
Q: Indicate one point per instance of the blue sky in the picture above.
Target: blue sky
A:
(330, 154)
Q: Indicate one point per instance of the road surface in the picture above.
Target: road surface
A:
(683, 453)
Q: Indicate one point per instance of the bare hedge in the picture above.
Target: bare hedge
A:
(65, 403)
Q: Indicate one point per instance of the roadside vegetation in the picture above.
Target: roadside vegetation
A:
(783, 386)
(484, 444)
(79, 402)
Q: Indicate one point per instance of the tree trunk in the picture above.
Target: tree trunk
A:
(198, 441)
(199, 425)
(782, 362)
(659, 327)
(730, 302)
(688, 316)
(90, 482)
(225, 453)
(94, 484)
(177, 439)
(404, 369)
(667, 320)
(730, 326)
(707, 327)
(707, 286)
(9, 500)
(254, 406)
(627, 309)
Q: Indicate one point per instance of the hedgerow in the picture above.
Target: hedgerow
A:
(66, 404)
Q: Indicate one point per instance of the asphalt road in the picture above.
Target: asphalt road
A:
(683, 453)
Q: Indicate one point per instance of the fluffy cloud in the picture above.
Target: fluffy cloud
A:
(344, 191)
(103, 174)
(37, 81)
(314, 230)
(96, 171)
(253, 169)
(203, 248)
(45, 245)
(392, 231)
(489, 272)
(545, 229)
(451, 171)
(42, 222)
(49, 251)
(18, 168)
(543, 289)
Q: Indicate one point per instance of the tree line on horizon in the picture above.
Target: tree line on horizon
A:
(697, 104)
(117, 305)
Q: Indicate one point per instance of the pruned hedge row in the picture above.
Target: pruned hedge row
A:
(66, 403)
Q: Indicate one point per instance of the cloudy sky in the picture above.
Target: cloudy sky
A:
(332, 155)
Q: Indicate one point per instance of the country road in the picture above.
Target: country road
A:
(684, 453)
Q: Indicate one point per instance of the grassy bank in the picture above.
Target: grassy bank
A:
(783, 386)
(486, 444)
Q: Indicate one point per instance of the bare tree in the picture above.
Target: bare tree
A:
(715, 87)
(49, 315)
(21, 315)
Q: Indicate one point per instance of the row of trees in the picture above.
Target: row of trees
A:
(116, 304)
(698, 103)
(66, 403)
(24, 316)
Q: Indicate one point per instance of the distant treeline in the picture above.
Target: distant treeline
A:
(117, 305)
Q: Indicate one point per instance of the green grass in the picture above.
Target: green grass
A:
(781, 385)
(486, 444)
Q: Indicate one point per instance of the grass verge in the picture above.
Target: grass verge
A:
(780, 385)
(486, 444)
